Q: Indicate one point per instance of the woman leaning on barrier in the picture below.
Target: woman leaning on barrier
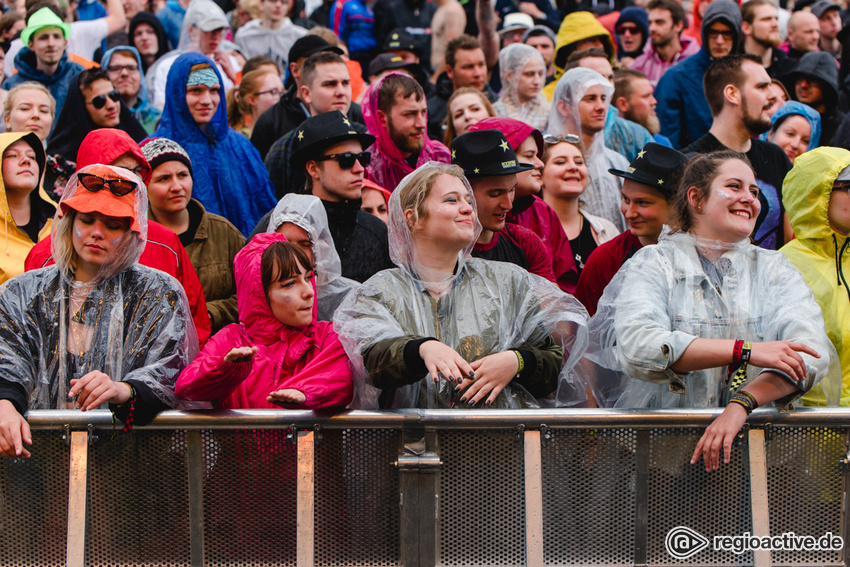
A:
(96, 327)
(706, 319)
(445, 330)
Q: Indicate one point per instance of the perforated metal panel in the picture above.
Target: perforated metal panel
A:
(805, 488)
(249, 498)
(356, 502)
(681, 494)
(588, 497)
(481, 507)
(137, 504)
(34, 504)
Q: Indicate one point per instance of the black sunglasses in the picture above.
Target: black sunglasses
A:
(100, 100)
(346, 159)
(94, 183)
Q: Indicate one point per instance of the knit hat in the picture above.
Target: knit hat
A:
(44, 18)
(160, 150)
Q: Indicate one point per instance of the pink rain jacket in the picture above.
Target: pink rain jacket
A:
(310, 359)
(388, 166)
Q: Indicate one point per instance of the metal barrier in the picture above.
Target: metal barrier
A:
(421, 488)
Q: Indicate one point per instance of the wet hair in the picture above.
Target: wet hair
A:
(725, 71)
(677, 13)
(396, 87)
(700, 172)
(414, 193)
(462, 42)
(308, 69)
(29, 85)
(280, 262)
(90, 76)
(451, 133)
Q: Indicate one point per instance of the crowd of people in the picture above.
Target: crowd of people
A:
(416, 204)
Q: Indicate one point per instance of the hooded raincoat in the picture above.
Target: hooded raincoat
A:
(59, 83)
(163, 46)
(388, 165)
(75, 123)
(486, 308)
(143, 111)
(574, 28)
(309, 359)
(602, 197)
(17, 242)
(682, 109)
(308, 213)
(821, 254)
(670, 294)
(130, 322)
(229, 178)
(793, 107)
(512, 62)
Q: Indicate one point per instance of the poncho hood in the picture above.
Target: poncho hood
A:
(143, 94)
(571, 88)
(576, 27)
(162, 38)
(806, 190)
(106, 145)
(254, 310)
(726, 12)
(804, 110)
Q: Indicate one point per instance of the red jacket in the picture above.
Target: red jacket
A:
(602, 266)
(310, 359)
(163, 252)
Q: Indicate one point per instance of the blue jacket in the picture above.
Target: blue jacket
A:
(58, 83)
(146, 113)
(171, 16)
(229, 177)
(354, 23)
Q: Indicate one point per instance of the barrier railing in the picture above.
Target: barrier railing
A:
(425, 488)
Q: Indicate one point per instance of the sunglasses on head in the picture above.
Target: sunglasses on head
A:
(100, 100)
(346, 159)
(94, 183)
(569, 138)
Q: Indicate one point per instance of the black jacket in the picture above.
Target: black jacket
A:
(437, 105)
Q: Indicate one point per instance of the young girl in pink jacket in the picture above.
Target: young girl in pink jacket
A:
(278, 355)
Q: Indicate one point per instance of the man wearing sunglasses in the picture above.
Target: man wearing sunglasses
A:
(330, 151)
(631, 33)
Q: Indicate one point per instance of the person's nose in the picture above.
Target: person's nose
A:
(98, 230)
(421, 121)
(357, 167)
(466, 207)
(631, 211)
(308, 292)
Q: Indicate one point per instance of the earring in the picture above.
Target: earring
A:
(699, 208)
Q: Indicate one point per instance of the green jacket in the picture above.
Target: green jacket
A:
(820, 253)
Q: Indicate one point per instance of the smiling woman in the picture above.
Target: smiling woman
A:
(706, 319)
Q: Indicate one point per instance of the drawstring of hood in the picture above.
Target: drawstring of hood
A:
(839, 271)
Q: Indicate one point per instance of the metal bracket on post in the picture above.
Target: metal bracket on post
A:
(758, 491)
(419, 507)
(305, 512)
(66, 434)
(519, 432)
(75, 555)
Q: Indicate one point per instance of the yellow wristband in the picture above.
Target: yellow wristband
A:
(520, 361)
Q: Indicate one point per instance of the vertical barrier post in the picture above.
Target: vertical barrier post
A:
(196, 498)
(533, 500)
(419, 508)
(77, 492)
(758, 491)
(305, 501)
(642, 497)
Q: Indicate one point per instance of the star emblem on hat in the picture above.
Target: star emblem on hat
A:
(503, 145)
(640, 154)
(395, 36)
(476, 170)
(453, 155)
(346, 122)
(300, 135)
(661, 182)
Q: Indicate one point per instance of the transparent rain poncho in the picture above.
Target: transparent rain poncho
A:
(308, 213)
(129, 321)
(512, 62)
(481, 308)
(602, 196)
(686, 288)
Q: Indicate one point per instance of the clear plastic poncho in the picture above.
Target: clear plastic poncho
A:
(602, 196)
(308, 213)
(686, 288)
(482, 308)
(512, 62)
(129, 321)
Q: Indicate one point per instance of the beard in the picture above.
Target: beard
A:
(769, 41)
(652, 124)
(756, 124)
(404, 141)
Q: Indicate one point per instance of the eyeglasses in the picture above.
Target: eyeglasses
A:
(569, 138)
(725, 34)
(94, 183)
(119, 68)
(100, 100)
(276, 93)
(346, 160)
(633, 30)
